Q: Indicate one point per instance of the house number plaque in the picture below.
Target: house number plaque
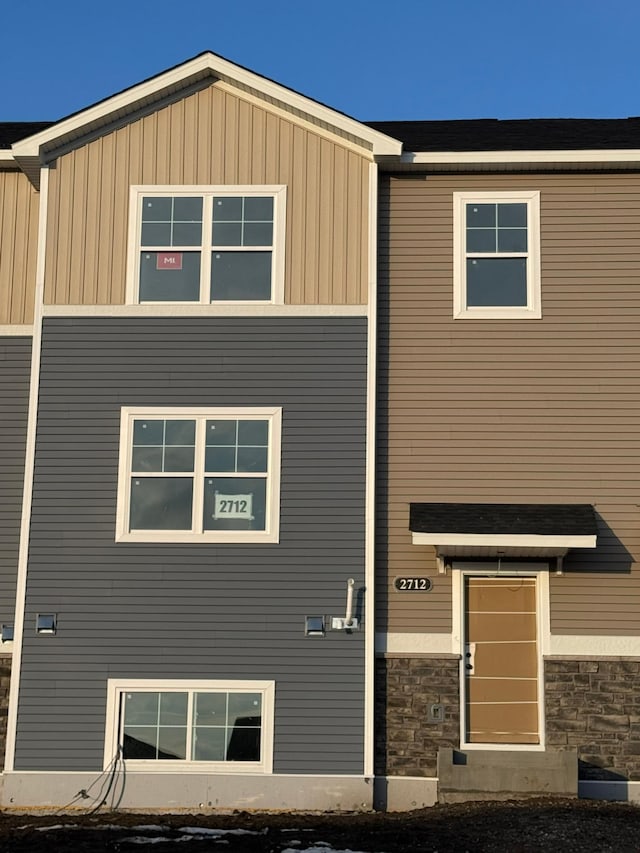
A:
(413, 584)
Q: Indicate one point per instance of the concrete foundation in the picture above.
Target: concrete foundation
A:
(185, 792)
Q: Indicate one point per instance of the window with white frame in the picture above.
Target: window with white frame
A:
(199, 475)
(497, 255)
(226, 725)
(202, 245)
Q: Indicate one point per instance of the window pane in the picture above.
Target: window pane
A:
(156, 234)
(220, 459)
(251, 459)
(257, 234)
(180, 432)
(146, 459)
(512, 215)
(244, 744)
(177, 282)
(187, 209)
(227, 234)
(253, 432)
(240, 276)
(172, 742)
(481, 215)
(235, 503)
(148, 432)
(227, 209)
(156, 209)
(140, 742)
(185, 234)
(210, 709)
(512, 240)
(496, 282)
(173, 709)
(178, 459)
(245, 709)
(258, 209)
(481, 240)
(141, 708)
(209, 744)
(159, 503)
(221, 433)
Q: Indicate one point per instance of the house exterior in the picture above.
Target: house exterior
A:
(188, 336)
(508, 592)
(317, 453)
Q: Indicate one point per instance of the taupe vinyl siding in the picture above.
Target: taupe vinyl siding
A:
(515, 411)
(211, 137)
(15, 364)
(19, 204)
(132, 610)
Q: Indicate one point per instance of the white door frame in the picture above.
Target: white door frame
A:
(462, 569)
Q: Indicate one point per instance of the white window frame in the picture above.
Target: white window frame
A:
(533, 308)
(272, 516)
(276, 191)
(117, 686)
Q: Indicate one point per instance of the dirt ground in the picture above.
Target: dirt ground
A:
(509, 827)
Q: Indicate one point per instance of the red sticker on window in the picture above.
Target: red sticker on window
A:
(169, 261)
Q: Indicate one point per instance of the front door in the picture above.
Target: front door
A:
(501, 661)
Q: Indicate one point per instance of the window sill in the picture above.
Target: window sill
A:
(498, 314)
(227, 537)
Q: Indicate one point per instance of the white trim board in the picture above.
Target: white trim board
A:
(558, 645)
(16, 331)
(507, 540)
(370, 496)
(617, 155)
(181, 309)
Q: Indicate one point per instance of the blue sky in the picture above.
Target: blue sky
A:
(416, 59)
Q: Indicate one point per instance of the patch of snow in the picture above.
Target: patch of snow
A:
(55, 826)
(203, 830)
(148, 828)
(144, 839)
(321, 847)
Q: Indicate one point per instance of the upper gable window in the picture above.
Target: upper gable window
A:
(199, 245)
(497, 255)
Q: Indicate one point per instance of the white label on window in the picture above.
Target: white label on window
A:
(233, 506)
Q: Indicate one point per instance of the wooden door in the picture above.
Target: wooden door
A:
(501, 660)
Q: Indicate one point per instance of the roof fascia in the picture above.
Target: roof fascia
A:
(515, 158)
(207, 64)
(6, 157)
(528, 540)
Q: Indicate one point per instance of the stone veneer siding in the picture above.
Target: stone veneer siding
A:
(406, 742)
(593, 706)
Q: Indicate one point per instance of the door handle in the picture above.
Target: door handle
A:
(469, 657)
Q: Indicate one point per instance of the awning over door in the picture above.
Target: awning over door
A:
(509, 530)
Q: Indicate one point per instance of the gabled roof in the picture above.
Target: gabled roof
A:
(31, 151)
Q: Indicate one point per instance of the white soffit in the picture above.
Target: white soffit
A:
(200, 67)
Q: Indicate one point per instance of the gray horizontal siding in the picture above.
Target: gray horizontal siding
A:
(132, 610)
(15, 366)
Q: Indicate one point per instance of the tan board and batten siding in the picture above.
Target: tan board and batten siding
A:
(514, 411)
(19, 203)
(208, 138)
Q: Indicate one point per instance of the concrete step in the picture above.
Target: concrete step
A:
(483, 774)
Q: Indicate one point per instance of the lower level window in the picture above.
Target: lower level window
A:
(191, 723)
